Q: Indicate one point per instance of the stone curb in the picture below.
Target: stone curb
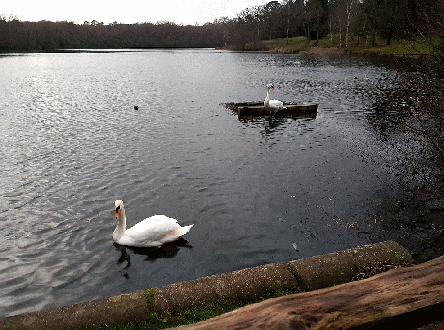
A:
(246, 285)
(345, 266)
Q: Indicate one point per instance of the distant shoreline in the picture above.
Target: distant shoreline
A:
(334, 45)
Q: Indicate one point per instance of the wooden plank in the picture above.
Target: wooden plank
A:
(402, 298)
(291, 109)
(258, 109)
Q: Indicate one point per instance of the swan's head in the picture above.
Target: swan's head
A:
(270, 86)
(119, 206)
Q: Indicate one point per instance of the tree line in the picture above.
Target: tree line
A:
(47, 35)
(310, 18)
(343, 18)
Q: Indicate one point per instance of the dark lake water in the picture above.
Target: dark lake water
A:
(71, 144)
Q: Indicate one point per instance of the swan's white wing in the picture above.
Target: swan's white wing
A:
(153, 221)
(276, 104)
(152, 231)
(154, 226)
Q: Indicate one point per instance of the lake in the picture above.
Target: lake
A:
(72, 143)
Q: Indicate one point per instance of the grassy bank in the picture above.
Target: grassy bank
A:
(357, 45)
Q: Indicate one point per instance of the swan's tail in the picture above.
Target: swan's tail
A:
(173, 235)
(183, 230)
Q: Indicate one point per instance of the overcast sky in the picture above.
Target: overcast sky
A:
(126, 11)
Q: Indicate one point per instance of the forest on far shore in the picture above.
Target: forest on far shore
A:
(313, 19)
(46, 35)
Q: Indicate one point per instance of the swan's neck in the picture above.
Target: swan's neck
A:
(121, 226)
(267, 99)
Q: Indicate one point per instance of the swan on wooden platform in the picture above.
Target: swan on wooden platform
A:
(153, 231)
(272, 105)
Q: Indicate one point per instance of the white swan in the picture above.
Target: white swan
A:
(273, 105)
(153, 231)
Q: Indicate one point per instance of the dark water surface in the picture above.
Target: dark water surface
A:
(71, 143)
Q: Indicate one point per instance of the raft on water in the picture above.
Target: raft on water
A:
(258, 109)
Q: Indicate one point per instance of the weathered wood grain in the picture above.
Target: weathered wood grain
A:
(402, 298)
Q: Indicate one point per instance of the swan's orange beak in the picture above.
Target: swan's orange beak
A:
(117, 214)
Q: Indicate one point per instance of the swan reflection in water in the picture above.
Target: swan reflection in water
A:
(167, 250)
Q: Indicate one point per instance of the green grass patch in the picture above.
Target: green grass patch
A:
(357, 45)
(403, 47)
(190, 315)
(156, 320)
(292, 45)
(296, 41)
(148, 294)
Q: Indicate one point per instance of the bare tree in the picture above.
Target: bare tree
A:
(294, 10)
(313, 14)
(349, 5)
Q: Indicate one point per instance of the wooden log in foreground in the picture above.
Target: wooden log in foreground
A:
(402, 298)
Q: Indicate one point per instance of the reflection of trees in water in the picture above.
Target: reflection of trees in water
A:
(167, 250)
(409, 119)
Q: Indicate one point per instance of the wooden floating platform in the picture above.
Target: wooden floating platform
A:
(258, 109)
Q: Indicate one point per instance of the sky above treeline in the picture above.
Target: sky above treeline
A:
(126, 11)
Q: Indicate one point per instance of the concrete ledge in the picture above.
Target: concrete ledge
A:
(115, 310)
(247, 285)
(347, 265)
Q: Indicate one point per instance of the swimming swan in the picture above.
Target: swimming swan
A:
(153, 231)
(273, 105)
